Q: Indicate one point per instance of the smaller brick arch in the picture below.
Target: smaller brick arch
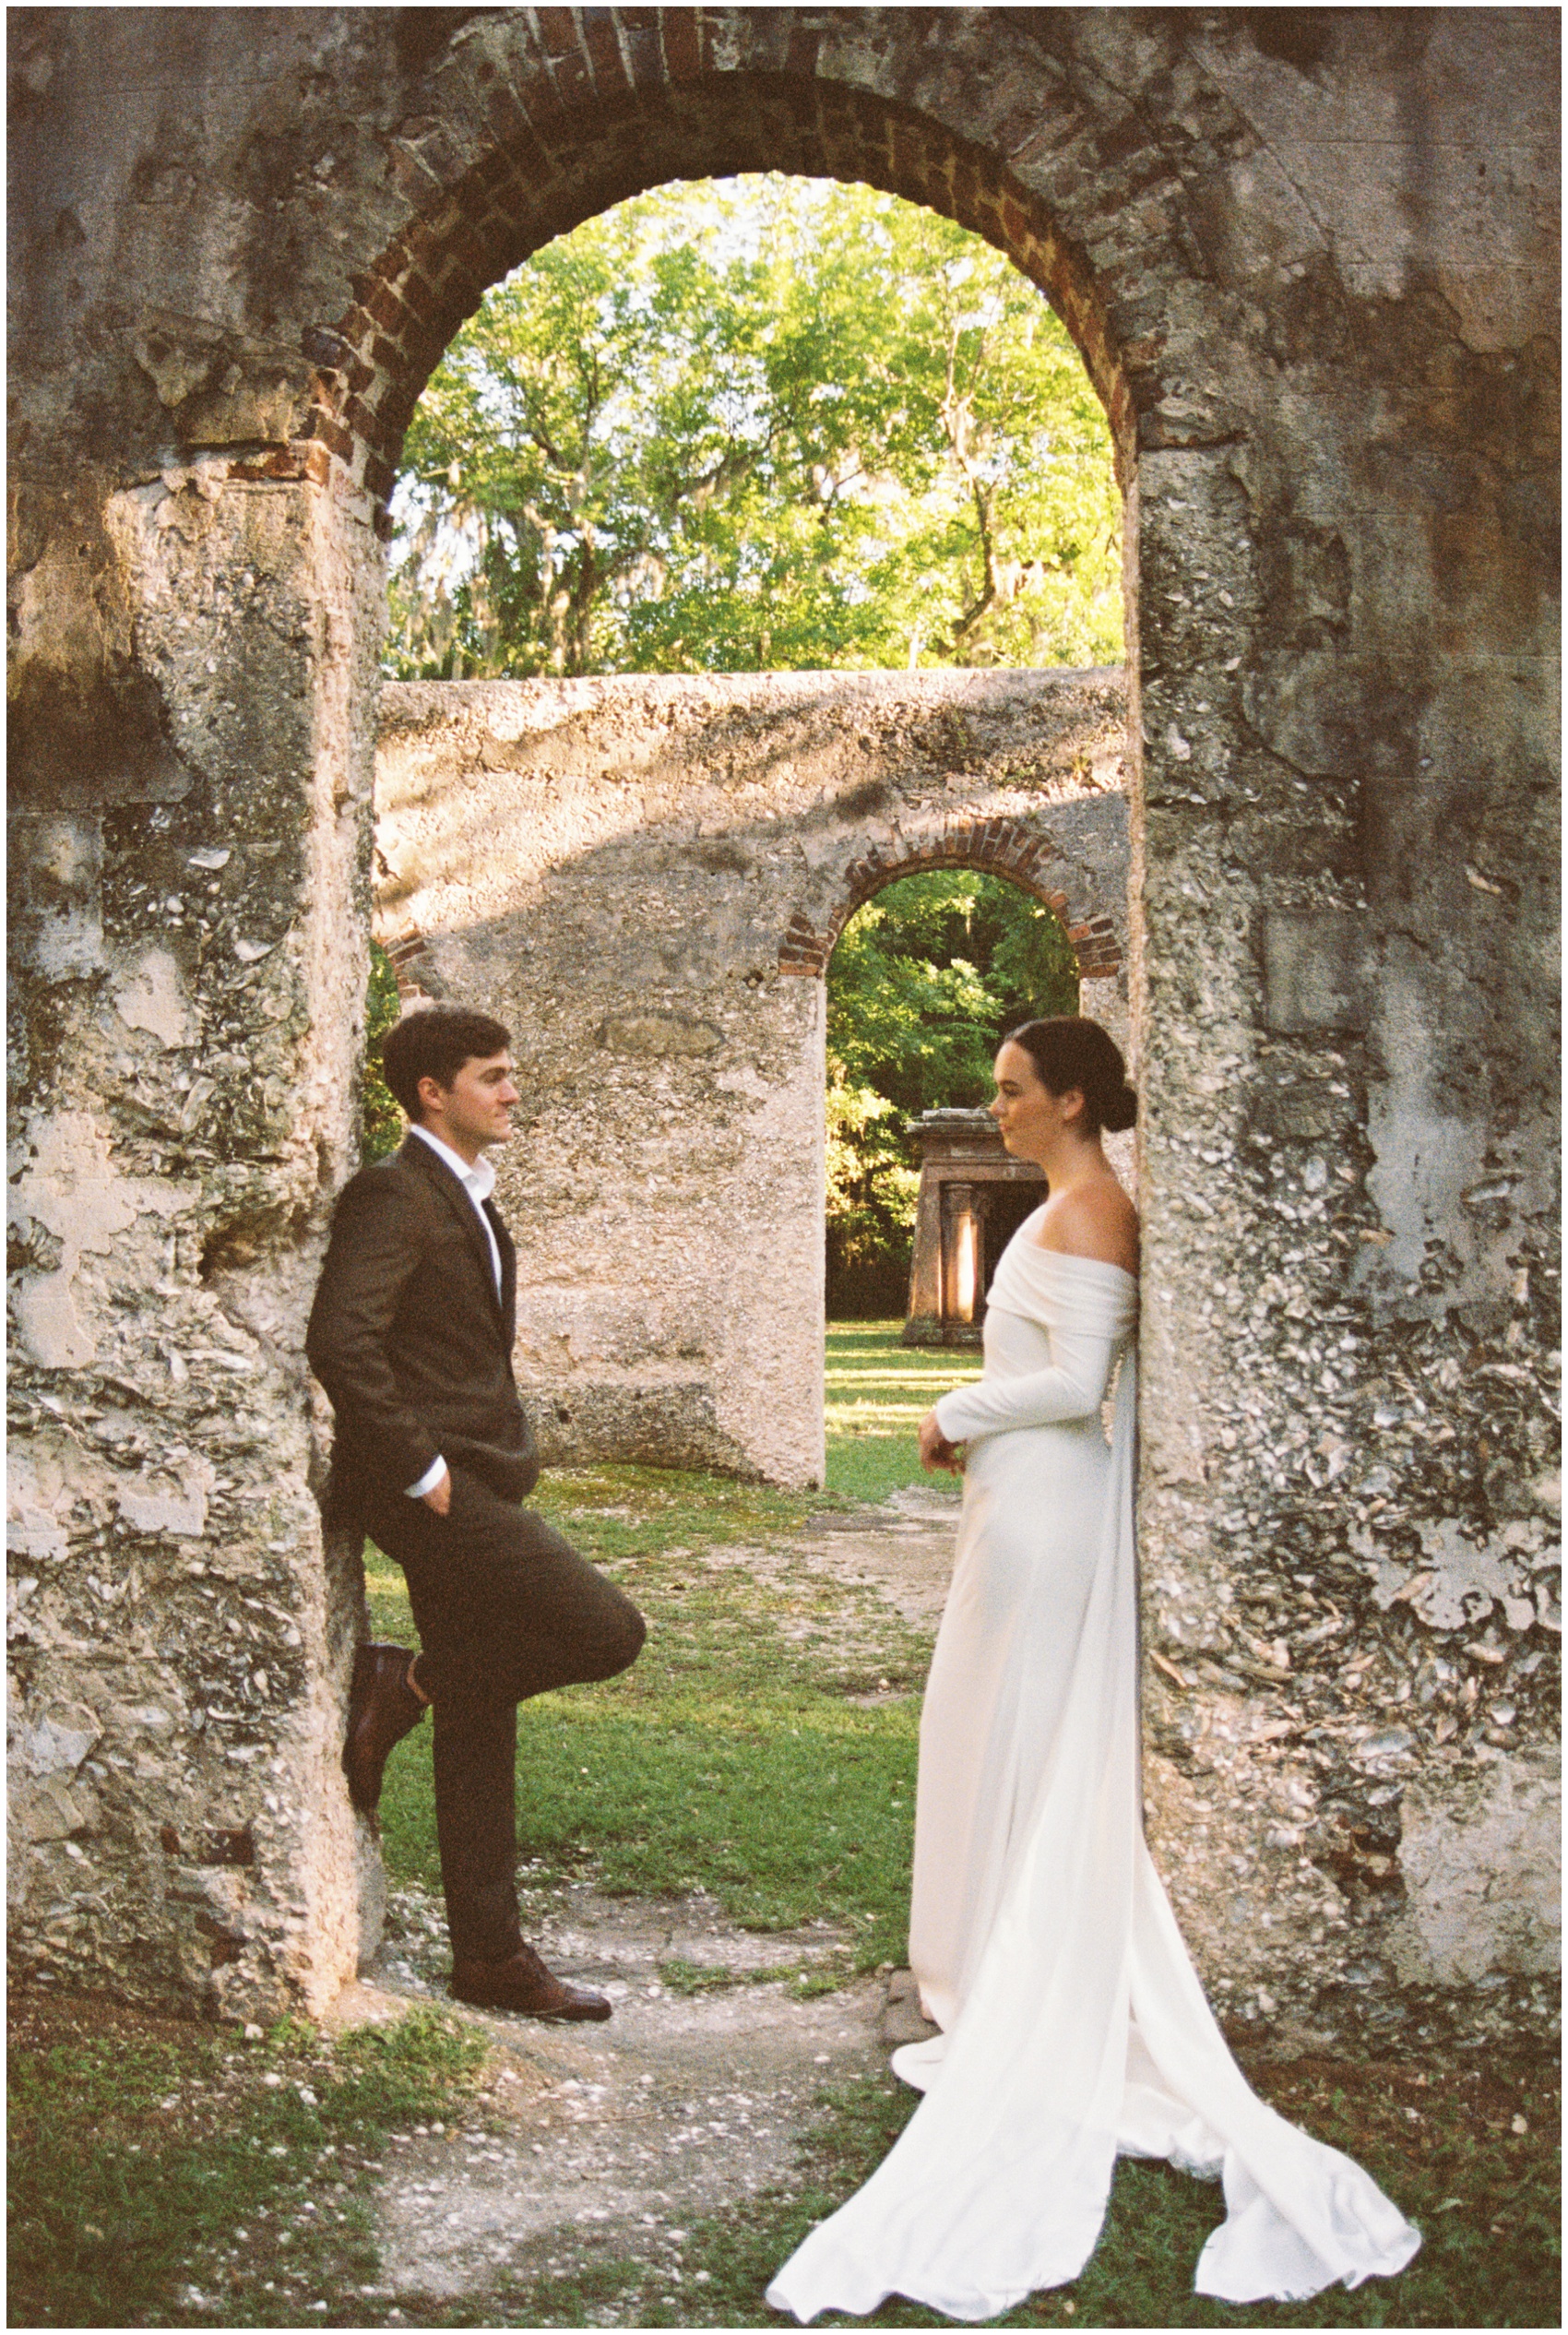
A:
(404, 954)
(998, 847)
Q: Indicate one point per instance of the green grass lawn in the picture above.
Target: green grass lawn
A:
(736, 1755)
(877, 1393)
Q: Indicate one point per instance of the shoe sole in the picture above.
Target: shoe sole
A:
(553, 2018)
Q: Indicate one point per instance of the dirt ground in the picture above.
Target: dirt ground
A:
(902, 1549)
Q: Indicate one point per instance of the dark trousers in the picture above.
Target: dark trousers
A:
(504, 1609)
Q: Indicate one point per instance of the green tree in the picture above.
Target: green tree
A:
(381, 1121)
(767, 424)
(924, 980)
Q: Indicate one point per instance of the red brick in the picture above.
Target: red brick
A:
(911, 164)
(540, 100)
(383, 308)
(643, 51)
(357, 328)
(331, 434)
(801, 56)
(683, 49)
(484, 178)
(424, 347)
(467, 251)
(557, 33)
(510, 125)
(362, 419)
(572, 72)
(283, 463)
(394, 413)
(965, 192)
(421, 300)
(604, 50)
(1014, 226)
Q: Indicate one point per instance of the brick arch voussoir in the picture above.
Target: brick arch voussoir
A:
(996, 847)
(559, 140)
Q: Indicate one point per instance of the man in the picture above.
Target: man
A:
(411, 1336)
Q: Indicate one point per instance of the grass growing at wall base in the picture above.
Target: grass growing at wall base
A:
(158, 2172)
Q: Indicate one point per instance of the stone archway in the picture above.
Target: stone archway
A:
(513, 160)
(241, 239)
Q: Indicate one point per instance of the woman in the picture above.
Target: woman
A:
(1074, 2025)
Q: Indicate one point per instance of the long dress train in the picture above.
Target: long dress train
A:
(1075, 2027)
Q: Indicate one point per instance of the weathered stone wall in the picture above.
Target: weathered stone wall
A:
(188, 971)
(1310, 259)
(643, 879)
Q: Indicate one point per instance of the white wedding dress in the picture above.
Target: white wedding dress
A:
(1074, 2028)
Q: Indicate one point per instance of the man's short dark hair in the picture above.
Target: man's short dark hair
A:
(434, 1042)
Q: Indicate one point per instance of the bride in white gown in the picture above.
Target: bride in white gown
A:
(1073, 2024)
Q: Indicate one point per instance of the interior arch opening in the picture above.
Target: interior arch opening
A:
(924, 978)
(764, 427)
(768, 424)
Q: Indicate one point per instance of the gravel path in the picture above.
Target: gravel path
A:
(678, 2104)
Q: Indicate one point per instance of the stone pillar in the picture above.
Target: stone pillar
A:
(960, 1262)
(963, 1171)
(191, 943)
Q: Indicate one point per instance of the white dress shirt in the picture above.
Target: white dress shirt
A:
(478, 1181)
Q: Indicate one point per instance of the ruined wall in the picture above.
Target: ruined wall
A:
(189, 988)
(643, 879)
(1310, 258)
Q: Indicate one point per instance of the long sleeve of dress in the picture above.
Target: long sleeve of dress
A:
(1072, 1388)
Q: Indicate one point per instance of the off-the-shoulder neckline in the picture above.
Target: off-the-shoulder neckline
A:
(1065, 1257)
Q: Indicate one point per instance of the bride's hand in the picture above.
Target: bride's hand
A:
(935, 1449)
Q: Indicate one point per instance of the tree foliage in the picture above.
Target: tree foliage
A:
(924, 980)
(766, 424)
(381, 1121)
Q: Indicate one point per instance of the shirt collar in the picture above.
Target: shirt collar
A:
(478, 1180)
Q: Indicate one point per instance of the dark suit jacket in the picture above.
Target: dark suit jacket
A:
(409, 1339)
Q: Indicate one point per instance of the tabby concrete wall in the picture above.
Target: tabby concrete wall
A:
(1310, 258)
(644, 879)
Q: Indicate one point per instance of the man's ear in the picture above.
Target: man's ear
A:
(432, 1094)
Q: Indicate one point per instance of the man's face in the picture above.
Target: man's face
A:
(476, 1109)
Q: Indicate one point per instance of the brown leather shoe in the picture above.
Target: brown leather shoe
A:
(522, 1982)
(382, 1707)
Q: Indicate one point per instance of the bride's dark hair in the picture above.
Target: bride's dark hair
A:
(1070, 1051)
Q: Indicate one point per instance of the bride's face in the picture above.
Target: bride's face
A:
(1031, 1118)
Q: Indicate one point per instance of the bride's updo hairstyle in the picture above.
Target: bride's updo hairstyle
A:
(1069, 1051)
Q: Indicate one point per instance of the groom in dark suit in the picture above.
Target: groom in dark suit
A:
(411, 1336)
